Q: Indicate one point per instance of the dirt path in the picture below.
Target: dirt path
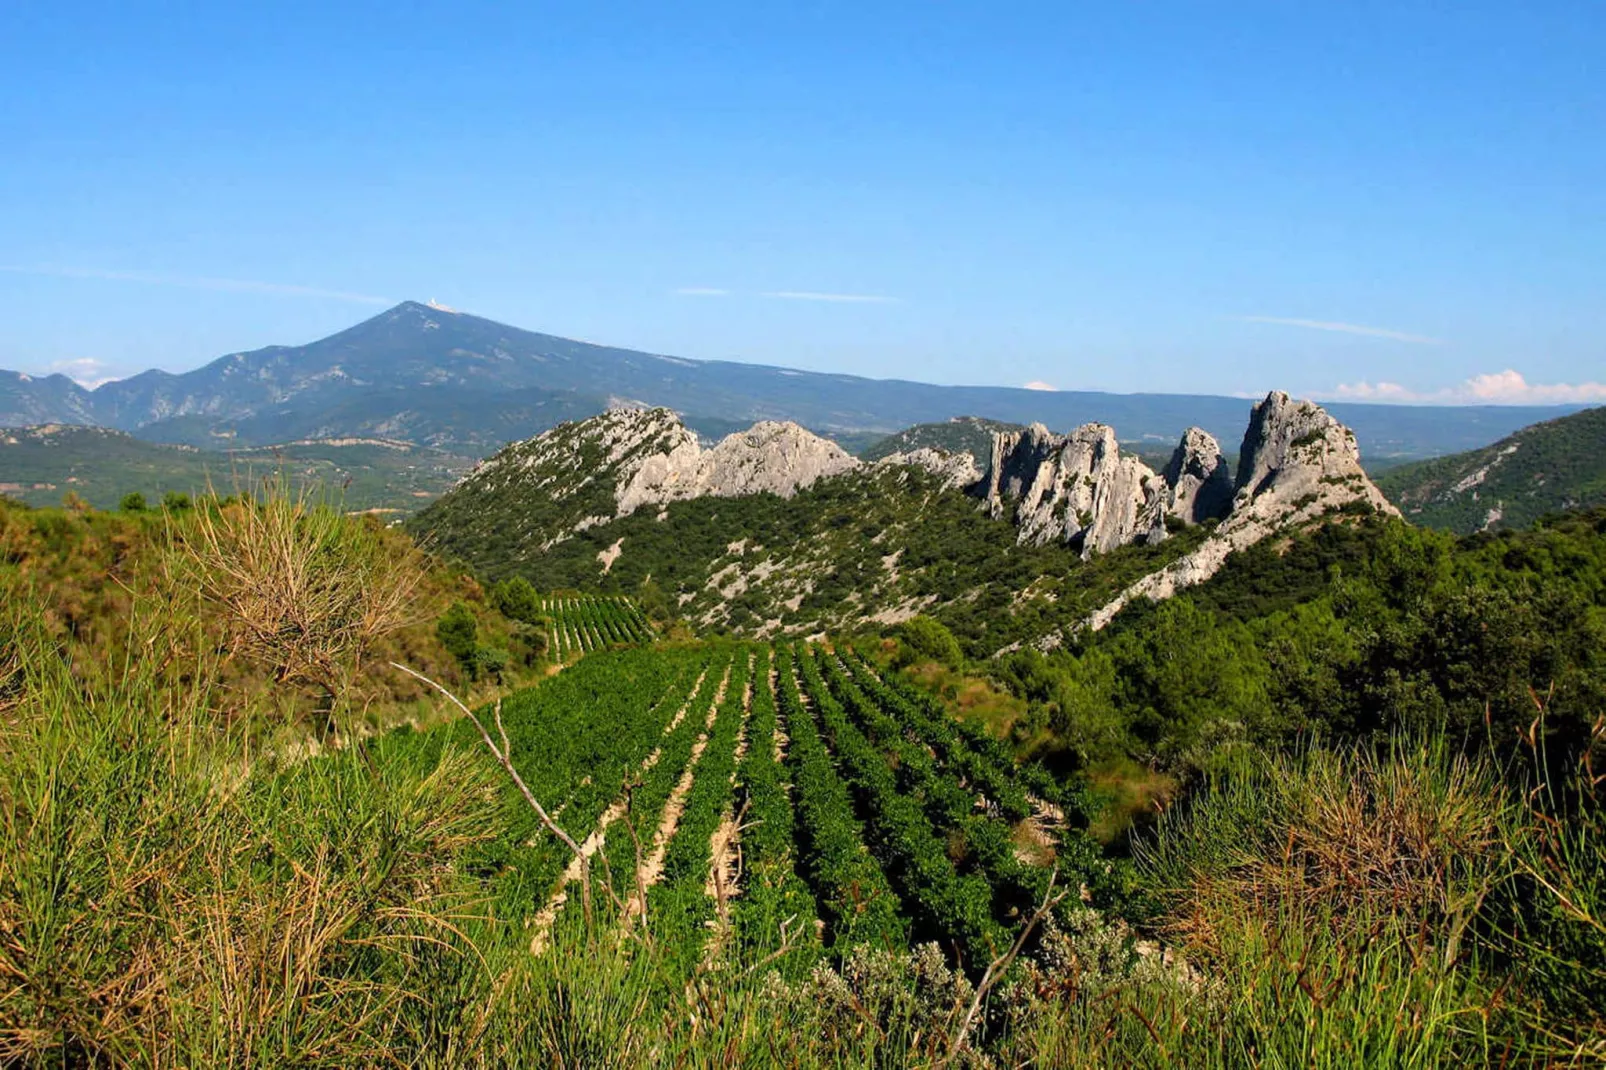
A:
(1036, 836)
(652, 866)
(782, 740)
(542, 922)
(724, 850)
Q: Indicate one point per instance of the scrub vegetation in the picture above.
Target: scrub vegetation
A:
(1382, 845)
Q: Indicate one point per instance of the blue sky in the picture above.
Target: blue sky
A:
(1393, 199)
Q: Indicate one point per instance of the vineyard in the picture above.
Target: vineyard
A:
(582, 624)
(769, 803)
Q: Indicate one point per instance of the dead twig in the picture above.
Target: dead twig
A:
(506, 762)
(996, 968)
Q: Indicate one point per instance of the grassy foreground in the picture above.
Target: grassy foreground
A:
(174, 891)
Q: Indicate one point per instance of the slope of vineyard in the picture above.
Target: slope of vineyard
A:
(581, 624)
(861, 815)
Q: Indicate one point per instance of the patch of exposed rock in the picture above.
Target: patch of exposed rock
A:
(1076, 488)
(769, 457)
(956, 470)
(1194, 487)
(1297, 463)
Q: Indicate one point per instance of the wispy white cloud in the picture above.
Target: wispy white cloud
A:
(1038, 384)
(85, 371)
(809, 295)
(1344, 328)
(194, 282)
(700, 291)
(1497, 388)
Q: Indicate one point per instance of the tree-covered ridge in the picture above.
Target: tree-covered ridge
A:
(879, 544)
(1350, 631)
(1548, 467)
(971, 435)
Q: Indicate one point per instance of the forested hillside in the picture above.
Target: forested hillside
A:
(1549, 467)
(882, 544)
(1348, 631)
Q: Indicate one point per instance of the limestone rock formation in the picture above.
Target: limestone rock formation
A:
(769, 457)
(584, 474)
(1296, 464)
(1078, 488)
(573, 459)
(1195, 486)
(957, 471)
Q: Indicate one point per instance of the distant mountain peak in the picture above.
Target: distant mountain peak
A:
(461, 381)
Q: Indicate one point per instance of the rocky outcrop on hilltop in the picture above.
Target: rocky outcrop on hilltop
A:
(584, 460)
(583, 474)
(1297, 463)
(1079, 489)
(767, 458)
(1076, 488)
(957, 471)
(1195, 486)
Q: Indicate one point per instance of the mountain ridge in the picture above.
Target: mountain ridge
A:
(635, 491)
(421, 367)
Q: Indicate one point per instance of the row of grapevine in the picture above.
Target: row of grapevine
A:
(679, 905)
(982, 756)
(614, 750)
(866, 813)
(573, 740)
(975, 840)
(989, 772)
(775, 908)
(943, 903)
(650, 791)
(587, 623)
(991, 766)
(855, 900)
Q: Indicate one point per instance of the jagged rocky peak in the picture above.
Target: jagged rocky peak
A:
(1076, 488)
(1297, 463)
(1196, 485)
(1293, 448)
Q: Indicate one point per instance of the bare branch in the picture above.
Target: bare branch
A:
(506, 763)
(996, 968)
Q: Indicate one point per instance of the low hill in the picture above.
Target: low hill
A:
(1549, 467)
(41, 464)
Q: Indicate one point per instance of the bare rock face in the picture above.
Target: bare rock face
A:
(769, 457)
(956, 470)
(1194, 487)
(1297, 463)
(592, 471)
(1078, 488)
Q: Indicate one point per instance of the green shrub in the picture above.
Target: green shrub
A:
(516, 599)
(458, 632)
(925, 639)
